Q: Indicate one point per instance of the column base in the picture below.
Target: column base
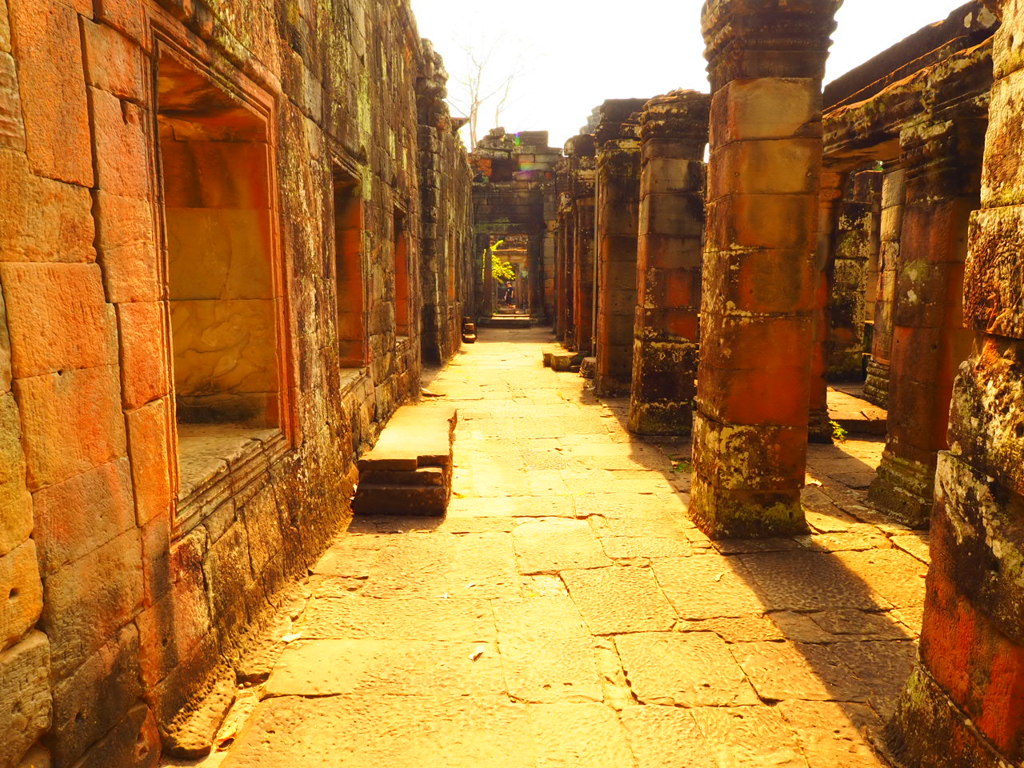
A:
(819, 428)
(928, 730)
(905, 490)
(671, 419)
(726, 513)
(876, 388)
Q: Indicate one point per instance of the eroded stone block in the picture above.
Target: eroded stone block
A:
(19, 582)
(25, 706)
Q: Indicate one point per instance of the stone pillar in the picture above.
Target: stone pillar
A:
(964, 704)
(943, 162)
(894, 190)
(819, 430)
(564, 277)
(674, 132)
(854, 275)
(766, 62)
(618, 203)
(581, 152)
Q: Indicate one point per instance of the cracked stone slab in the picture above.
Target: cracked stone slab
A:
(692, 669)
(809, 581)
(749, 737)
(355, 617)
(619, 599)
(706, 587)
(392, 731)
(833, 734)
(550, 546)
(577, 735)
(386, 667)
(807, 671)
(666, 736)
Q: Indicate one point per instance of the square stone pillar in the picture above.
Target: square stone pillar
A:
(616, 230)
(819, 428)
(582, 162)
(674, 132)
(894, 192)
(964, 704)
(943, 165)
(766, 61)
(854, 275)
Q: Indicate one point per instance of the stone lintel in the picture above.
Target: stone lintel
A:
(679, 115)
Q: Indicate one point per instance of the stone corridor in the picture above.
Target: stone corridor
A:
(567, 613)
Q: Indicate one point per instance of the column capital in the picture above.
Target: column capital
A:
(682, 115)
(749, 39)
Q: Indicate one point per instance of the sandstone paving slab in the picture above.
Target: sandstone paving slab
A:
(352, 557)
(892, 574)
(549, 546)
(662, 737)
(736, 629)
(356, 617)
(586, 735)
(413, 564)
(386, 667)
(833, 735)
(616, 503)
(706, 586)
(692, 669)
(620, 599)
(661, 527)
(750, 546)
(850, 624)
(883, 665)
(511, 507)
(807, 671)
(483, 565)
(634, 548)
(749, 737)
(857, 538)
(809, 581)
(392, 731)
(542, 585)
(915, 544)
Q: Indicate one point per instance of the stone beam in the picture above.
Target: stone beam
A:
(674, 132)
(964, 705)
(766, 62)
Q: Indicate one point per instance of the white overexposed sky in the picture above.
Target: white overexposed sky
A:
(568, 56)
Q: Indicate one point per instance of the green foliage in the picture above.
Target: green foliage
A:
(838, 433)
(501, 270)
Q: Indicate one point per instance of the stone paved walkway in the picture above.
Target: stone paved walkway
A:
(567, 614)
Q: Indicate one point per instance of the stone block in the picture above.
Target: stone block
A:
(122, 146)
(58, 317)
(124, 15)
(79, 515)
(6, 373)
(995, 272)
(52, 84)
(767, 221)
(15, 500)
(19, 580)
(25, 704)
(765, 108)
(765, 167)
(113, 62)
(401, 500)
(672, 214)
(72, 422)
(229, 579)
(5, 28)
(83, 611)
(134, 741)
(151, 454)
(41, 219)
(90, 702)
(144, 374)
(12, 128)
(37, 757)
(127, 248)
(263, 527)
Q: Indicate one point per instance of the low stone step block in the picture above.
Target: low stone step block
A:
(409, 471)
(422, 476)
(423, 501)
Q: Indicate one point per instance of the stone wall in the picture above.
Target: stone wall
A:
(212, 294)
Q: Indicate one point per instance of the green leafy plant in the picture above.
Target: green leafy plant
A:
(838, 433)
(501, 270)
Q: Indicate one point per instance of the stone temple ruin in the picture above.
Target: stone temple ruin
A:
(235, 238)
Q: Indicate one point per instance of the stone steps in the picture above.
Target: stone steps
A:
(409, 470)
